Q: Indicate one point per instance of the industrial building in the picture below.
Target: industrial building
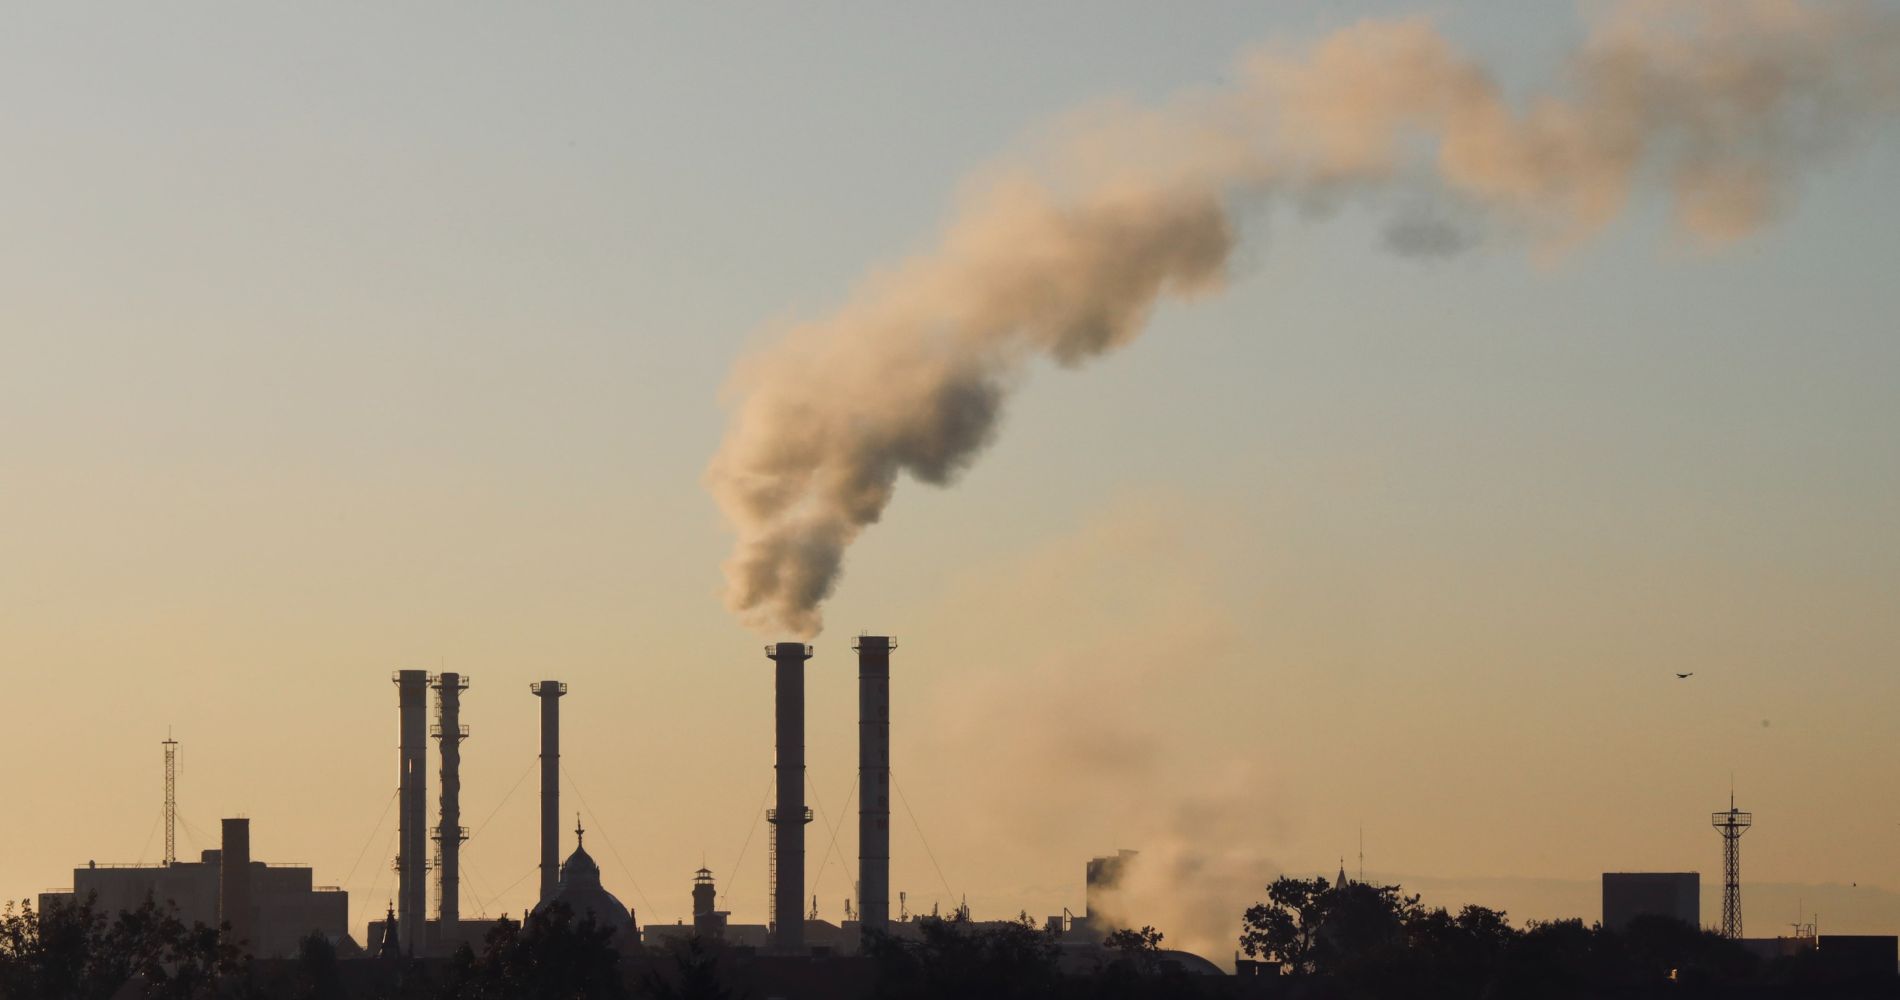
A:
(1628, 895)
(274, 907)
(271, 908)
(575, 883)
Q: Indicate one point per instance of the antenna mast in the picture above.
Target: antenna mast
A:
(1731, 825)
(171, 798)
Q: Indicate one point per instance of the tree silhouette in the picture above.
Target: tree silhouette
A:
(74, 951)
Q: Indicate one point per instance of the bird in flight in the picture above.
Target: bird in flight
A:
(1684, 677)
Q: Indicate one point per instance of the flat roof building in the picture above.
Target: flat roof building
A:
(283, 905)
(1628, 895)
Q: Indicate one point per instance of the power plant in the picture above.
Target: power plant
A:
(268, 909)
(576, 882)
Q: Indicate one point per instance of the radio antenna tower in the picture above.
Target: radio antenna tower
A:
(1731, 825)
(171, 798)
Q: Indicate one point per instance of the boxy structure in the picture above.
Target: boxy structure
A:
(1628, 895)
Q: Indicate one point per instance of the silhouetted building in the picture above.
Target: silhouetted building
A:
(1860, 956)
(271, 915)
(580, 890)
(1628, 895)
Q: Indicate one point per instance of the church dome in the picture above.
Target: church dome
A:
(580, 890)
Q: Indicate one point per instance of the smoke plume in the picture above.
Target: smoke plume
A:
(1713, 105)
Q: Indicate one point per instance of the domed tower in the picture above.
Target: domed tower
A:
(579, 889)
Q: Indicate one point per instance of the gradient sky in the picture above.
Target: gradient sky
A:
(343, 340)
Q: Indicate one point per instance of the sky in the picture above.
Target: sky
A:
(350, 340)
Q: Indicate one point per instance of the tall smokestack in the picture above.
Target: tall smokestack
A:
(788, 879)
(874, 782)
(234, 882)
(412, 841)
(550, 693)
(450, 833)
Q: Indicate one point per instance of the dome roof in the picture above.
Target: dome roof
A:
(580, 864)
(580, 890)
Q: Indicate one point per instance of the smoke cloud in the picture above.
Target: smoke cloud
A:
(1715, 106)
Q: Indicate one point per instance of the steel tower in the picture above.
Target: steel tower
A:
(1731, 825)
(171, 799)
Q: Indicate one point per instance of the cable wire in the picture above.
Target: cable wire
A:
(826, 860)
(148, 835)
(504, 801)
(607, 837)
(511, 888)
(756, 816)
(372, 836)
(388, 849)
(920, 836)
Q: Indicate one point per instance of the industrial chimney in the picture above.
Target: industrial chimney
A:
(450, 832)
(234, 883)
(412, 841)
(789, 819)
(550, 693)
(874, 782)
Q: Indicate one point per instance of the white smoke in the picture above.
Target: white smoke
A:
(1715, 104)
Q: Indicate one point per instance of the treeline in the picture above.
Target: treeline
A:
(1308, 940)
(1326, 940)
(77, 953)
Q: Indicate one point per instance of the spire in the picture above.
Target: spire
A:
(1340, 883)
(579, 832)
(390, 946)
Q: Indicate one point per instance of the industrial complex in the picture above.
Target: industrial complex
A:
(269, 910)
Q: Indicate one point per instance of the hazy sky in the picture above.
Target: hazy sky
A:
(343, 340)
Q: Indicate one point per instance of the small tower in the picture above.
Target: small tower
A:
(1731, 825)
(705, 894)
(708, 920)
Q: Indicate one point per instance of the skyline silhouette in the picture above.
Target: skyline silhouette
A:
(1497, 462)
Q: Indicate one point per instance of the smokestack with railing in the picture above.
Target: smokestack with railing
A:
(412, 840)
(791, 815)
(234, 883)
(874, 782)
(450, 832)
(550, 693)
